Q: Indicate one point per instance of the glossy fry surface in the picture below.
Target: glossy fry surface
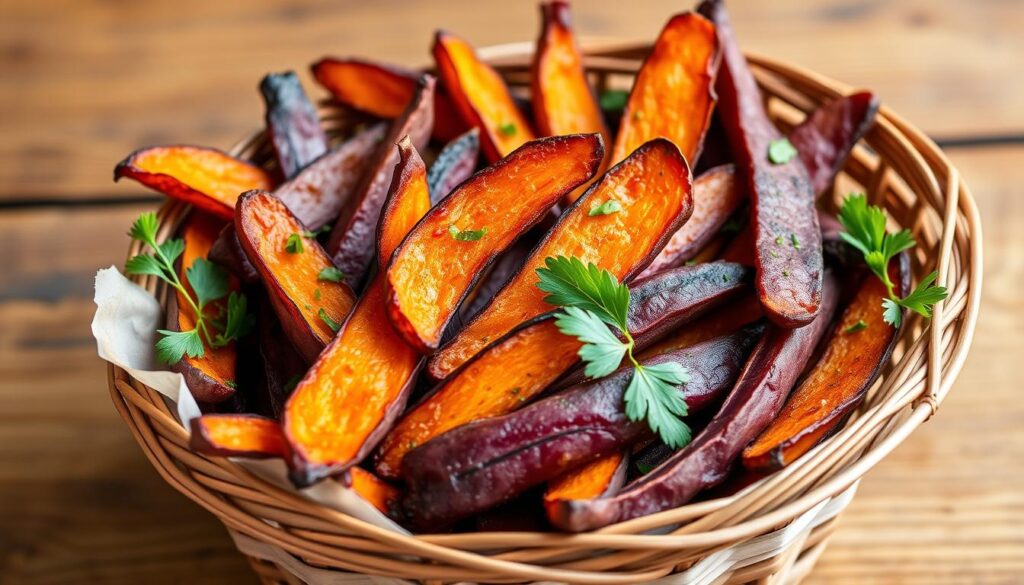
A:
(480, 96)
(264, 226)
(787, 249)
(850, 364)
(717, 194)
(653, 188)
(351, 243)
(432, 271)
(238, 435)
(205, 177)
(210, 376)
(673, 95)
(360, 383)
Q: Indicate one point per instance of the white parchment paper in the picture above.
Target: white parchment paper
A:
(125, 325)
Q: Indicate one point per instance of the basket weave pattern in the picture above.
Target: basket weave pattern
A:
(896, 165)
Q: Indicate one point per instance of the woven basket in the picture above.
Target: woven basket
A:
(772, 532)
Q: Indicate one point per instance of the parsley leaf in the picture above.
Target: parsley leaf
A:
(781, 151)
(237, 323)
(570, 283)
(921, 299)
(466, 235)
(209, 281)
(606, 208)
(331, 274)
(614, 99)
(334, 325)
(144, 264)
(316, 233)
(602, 351)
(864, 229)
(294, 244)
(174, 345)
(860, 325)
(652, 394)
(592, 299)
(508, 129)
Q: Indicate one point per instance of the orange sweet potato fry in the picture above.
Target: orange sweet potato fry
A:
(255, 437)
(377, 492)
(444, 255)
(716, 196)
(674, 92)
(480, 96)
(360, 383)
(852, 360)
(652, 187)
(384, 91)
(205, 177)
(238, 435)
(212, 376)
(563, 101)
(599, 478)
(291, 264)
(540, 353)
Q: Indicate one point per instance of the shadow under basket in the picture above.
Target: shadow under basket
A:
(771, 532)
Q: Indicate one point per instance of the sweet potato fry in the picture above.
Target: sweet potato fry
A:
(211, 378)
(787, 238)
(652, 188)
(730, 317)
(480, 96)
(360, 383)
(453, 165)
(255, 437)
(717, 194)
(852, 360)
(292, 123)
(291, 264)
(563, 101)
(238, 435)
(507, 265)
(205, 177)
(825, 139)
(755, 400)
(351, 243)
(486, 386)
(673, 95)
(384, 91)
(441, 259)
(488, 462)
(600, 478)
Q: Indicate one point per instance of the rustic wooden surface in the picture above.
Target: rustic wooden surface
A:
(86, 81)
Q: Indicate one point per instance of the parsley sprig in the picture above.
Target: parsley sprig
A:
(209, 284)
(864, 229)
(592, 300)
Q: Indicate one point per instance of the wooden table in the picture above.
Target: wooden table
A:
(86, 81)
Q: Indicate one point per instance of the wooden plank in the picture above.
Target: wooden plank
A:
(87, 81)
(79, 503)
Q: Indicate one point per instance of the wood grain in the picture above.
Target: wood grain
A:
(87, 81)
